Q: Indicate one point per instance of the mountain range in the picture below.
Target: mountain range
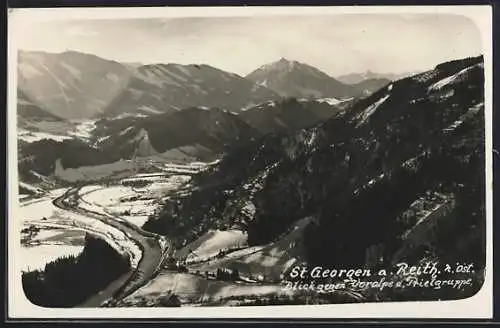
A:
(170, 87)
(73, 85)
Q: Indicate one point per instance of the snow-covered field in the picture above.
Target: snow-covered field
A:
(270, 261)
(38, 209)
(42, 213)
(211, 243)
(192, 288)
(32, 131)
(134, 204)
(36, 257)
(114, 237)
(117, 201)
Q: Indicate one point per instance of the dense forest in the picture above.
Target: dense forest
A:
(70, 280)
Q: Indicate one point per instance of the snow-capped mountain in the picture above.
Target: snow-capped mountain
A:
(290, 78)
(71, 84)
(74, 85)
(163, 88)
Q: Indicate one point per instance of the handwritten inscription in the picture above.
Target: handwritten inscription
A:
(431, 275)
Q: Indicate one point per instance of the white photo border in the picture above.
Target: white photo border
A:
(479, 306)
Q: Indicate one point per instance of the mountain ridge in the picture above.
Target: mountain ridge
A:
(170, 87)
(291, 78)
(76, 85)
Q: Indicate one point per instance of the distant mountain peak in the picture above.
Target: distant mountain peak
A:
(282, 64)
(355, 78)
(368, 74)
(284, 60)
(291, 78)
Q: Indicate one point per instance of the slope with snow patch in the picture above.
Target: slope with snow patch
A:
(452, 79)
(270, 260)
(210, 243)
(365, 115)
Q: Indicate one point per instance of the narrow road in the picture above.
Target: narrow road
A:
(153, 255)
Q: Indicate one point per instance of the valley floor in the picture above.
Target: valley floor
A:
(55, 223)
(218, 268)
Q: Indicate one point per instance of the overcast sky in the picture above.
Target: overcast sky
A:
(337, 44)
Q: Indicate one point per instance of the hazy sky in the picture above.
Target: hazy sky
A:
(335, 44)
